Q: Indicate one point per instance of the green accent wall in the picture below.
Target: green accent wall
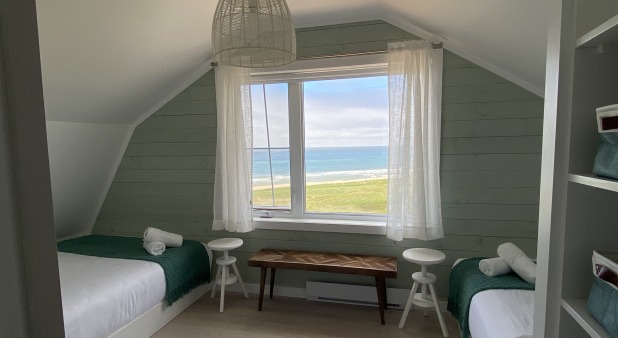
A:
(491, 161)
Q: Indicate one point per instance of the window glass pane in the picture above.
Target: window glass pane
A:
(262, 188)
(271, 153)
(346, 145)
(278, 116)
(260, 139)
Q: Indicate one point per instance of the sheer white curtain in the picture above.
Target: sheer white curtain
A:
(414, 92)
(233, 171)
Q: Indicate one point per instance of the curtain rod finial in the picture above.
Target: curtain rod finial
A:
(213, 64)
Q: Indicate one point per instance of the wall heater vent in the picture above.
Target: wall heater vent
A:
(359, 295)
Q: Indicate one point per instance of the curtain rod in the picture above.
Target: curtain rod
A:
(435, 46)
(384, 51)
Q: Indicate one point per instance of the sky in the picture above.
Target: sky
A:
(338, 113)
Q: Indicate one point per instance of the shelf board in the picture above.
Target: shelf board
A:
(606, 33)
(578, 310)
(595, 181)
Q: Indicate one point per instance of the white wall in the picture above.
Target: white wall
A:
(83, 159)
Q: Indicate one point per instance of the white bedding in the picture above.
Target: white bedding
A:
(501, 313)
(101, 295)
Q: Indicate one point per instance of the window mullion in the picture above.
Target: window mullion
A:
(297, 168)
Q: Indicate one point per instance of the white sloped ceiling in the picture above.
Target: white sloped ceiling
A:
(507, 37)
(110, 61)
(114, 62)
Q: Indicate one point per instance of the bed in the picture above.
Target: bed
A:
(118, 298)
(501, 313)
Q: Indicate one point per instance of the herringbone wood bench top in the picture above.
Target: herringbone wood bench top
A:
(366, 265)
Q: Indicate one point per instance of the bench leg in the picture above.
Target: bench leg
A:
(272, 281)
(380, 289)
(262, 282)
(385, 299)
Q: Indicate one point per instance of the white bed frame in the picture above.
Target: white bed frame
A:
(156, 318)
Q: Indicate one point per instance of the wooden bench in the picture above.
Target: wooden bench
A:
(379, 267)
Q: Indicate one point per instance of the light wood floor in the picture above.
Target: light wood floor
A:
(297, 318)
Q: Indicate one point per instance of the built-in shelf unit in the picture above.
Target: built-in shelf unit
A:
(577, 309)
(595, 181)
(579, 211)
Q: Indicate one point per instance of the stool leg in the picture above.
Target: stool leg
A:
(242, 285)
(435, 303)
(224, 273)
(214, 287)
(408, 305)
(424, 287)
(424, 294)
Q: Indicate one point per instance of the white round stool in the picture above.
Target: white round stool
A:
(224, 277)
(423, 257)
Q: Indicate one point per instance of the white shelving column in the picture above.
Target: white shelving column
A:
(578, 210)
(554, 167)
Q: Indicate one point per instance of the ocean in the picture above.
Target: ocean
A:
(322, 164)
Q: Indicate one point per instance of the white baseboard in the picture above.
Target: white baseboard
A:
(394, 295)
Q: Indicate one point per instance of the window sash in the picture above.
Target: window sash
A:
(374, 65)
(323, 69)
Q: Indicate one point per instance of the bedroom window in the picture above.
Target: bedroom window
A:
(321, 143)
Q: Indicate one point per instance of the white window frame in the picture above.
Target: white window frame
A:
(294, 75)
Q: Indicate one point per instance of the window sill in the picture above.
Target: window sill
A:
(321, 225)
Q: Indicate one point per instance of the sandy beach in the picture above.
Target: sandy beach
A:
(264, 187)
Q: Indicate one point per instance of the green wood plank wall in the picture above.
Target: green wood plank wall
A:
(491, 160)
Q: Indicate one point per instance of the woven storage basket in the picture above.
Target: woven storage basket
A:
(603, 300)
(606, 160)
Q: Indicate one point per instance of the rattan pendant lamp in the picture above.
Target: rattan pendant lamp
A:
(253, 33)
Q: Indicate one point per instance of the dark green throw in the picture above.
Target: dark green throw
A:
(466, 280)
(185, 268)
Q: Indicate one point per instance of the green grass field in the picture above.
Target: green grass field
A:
(366, 197)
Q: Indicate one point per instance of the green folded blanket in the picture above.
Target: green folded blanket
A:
(466, 280)
(185, 267)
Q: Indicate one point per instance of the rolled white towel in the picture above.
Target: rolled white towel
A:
(169, 239)
(154, 248)
(494, 267)
(518, 261)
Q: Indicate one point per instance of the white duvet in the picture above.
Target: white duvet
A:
(101, 295)
(502, 314)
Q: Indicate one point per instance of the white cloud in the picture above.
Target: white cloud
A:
(338, 113)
